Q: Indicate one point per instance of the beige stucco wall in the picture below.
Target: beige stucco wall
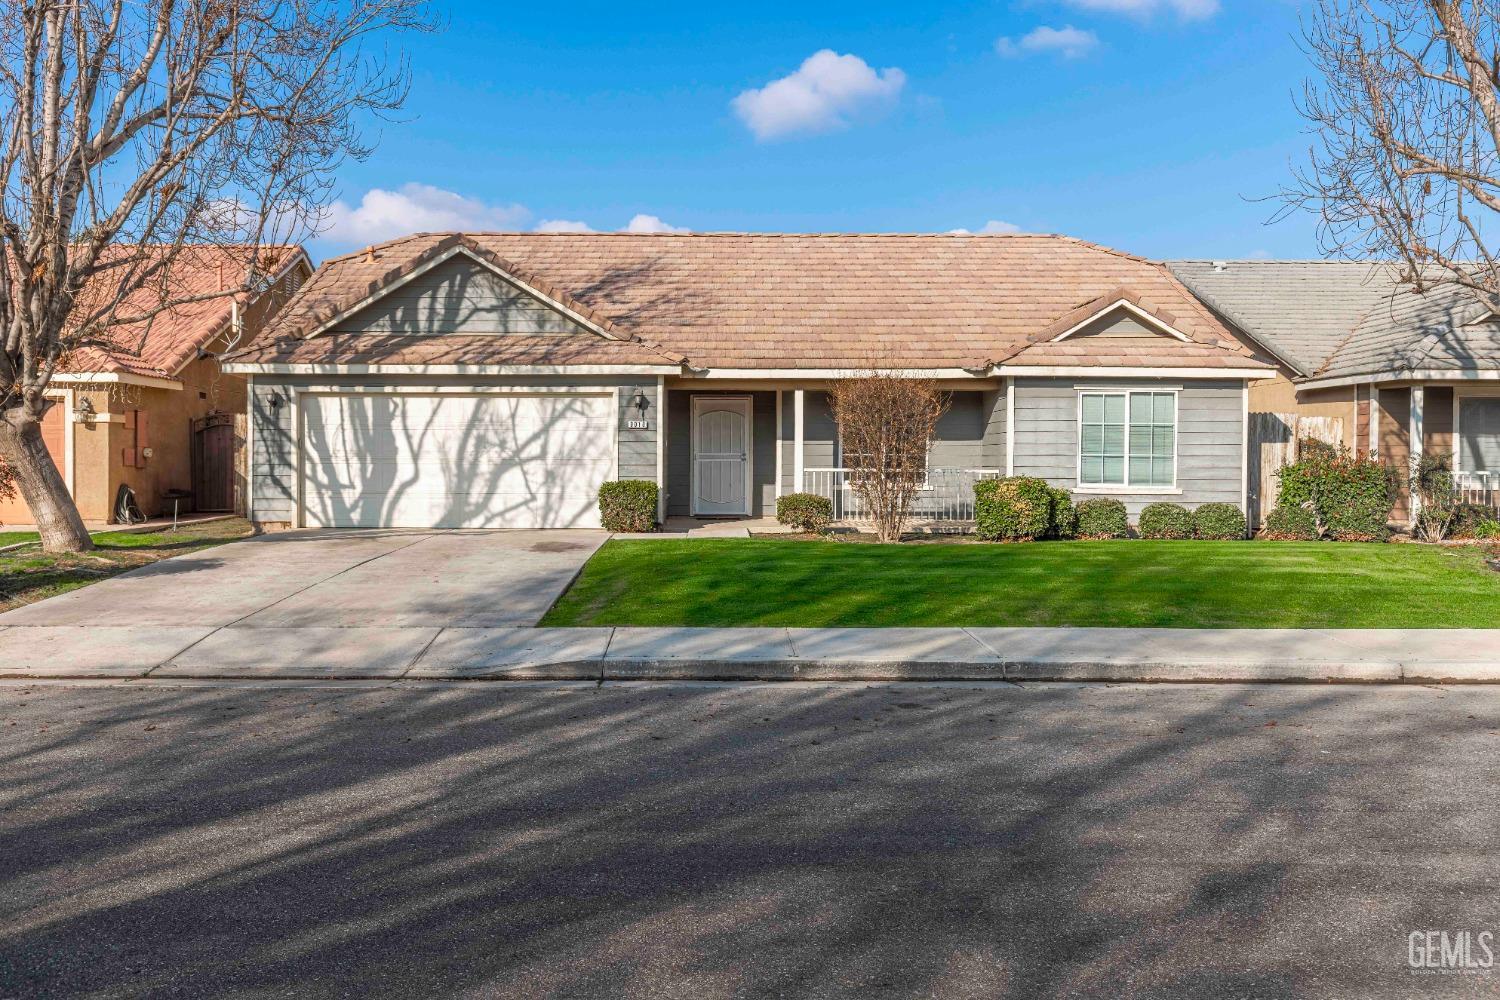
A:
(1281, 395)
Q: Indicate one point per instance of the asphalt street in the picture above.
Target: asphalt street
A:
(702, 841)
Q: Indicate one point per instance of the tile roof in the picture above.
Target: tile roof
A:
(160, 346)
(1335, 319)
(743, 300)
(426, 349)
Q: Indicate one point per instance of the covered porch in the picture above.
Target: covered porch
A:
(1456, 419)
(730, 450)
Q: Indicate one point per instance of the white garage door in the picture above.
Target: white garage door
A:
(454, 461)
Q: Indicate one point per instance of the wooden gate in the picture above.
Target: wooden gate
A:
(1275, 441)
(213, 463)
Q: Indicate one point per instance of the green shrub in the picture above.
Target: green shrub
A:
(1014, 509)
(628, 505)
(1165, 520)
(1064, 515)
(1219, 522)
(1350, 497)
(1291, 524)
(1102, 517)
(1468, 519)
(1487, 531)
(806, 512)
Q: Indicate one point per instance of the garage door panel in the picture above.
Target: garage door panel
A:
(488, 461)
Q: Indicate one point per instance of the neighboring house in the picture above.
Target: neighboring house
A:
(495, 380)
(1404, 373)
(150, 408)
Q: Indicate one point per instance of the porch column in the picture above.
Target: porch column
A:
(1417, 403)
(797, 463)
(780, 441)
(661, 449)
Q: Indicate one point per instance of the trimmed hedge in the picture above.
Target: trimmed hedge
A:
(1165, 520)
(806, 512)
(1014, 509)
(1102, 517)
(1291, 523)
(1064, 516)
(1218, 522)
(628, 505)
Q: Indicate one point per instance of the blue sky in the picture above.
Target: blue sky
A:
(1141, 124)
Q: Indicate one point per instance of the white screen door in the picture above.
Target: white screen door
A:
(721, 455)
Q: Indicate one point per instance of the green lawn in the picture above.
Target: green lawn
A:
(28, 575)
(760, 581)
(16, 537)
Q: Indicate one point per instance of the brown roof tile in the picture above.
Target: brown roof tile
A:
(747, 300)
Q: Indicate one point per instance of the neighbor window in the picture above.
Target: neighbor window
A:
(1127, 439)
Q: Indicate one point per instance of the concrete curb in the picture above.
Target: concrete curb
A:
(431, 653)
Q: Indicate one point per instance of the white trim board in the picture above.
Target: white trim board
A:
(443, 258)
(1100, 371)
(1458, 376)
(244, 368)
(114, 378)
(1136, 311)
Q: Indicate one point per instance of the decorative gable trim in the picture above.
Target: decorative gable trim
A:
(1144, 316)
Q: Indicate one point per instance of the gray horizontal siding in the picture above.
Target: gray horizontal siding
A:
(273, 478)
(1210, 451)
(460, 296)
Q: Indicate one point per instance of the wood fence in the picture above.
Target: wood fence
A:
(1275, 441)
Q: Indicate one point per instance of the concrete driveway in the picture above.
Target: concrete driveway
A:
(324, 599)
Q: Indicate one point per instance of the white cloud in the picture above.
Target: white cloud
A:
(1188, 9)
(993, 226)
(414, 208)
(651, 224)
(825, 92)
(563, 226)
(1067, 41)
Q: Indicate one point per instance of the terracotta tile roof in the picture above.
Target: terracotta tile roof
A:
(160, 346)
(367, 349)
(741, 300)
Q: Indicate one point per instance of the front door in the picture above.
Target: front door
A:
(721, 455)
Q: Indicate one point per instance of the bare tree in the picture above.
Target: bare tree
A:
(133, 135)
(886, 423)
(1405, 105)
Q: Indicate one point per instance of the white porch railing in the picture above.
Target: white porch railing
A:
(948, 497)
(1481, 488)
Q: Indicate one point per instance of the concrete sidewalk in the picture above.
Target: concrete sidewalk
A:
(513, 653)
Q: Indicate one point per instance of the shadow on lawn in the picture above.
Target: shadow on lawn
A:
(701, 842)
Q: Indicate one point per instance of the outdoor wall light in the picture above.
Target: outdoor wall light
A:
(274, 401)
(84, 410)
(640, 402)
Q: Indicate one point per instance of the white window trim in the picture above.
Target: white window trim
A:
(1461, 393)
(1126, 488)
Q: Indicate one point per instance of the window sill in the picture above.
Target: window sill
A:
(1163, 491)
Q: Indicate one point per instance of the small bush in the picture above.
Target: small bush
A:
(1219, 522)
(1350, 497)
(1467, 519)
(1014, 509)
(628, 505)
(806, 512)
(1488, 530)
(1165, 520)
(1064, 515)
(1291, 523)
(1102, 517)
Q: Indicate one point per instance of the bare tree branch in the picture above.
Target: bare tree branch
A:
(134, 133)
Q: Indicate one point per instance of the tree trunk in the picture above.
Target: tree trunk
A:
(41, 485)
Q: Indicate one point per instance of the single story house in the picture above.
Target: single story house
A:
(149, 408)
(1403, 373)
(495, 380)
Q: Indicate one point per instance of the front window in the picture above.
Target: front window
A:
(1127, 439)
